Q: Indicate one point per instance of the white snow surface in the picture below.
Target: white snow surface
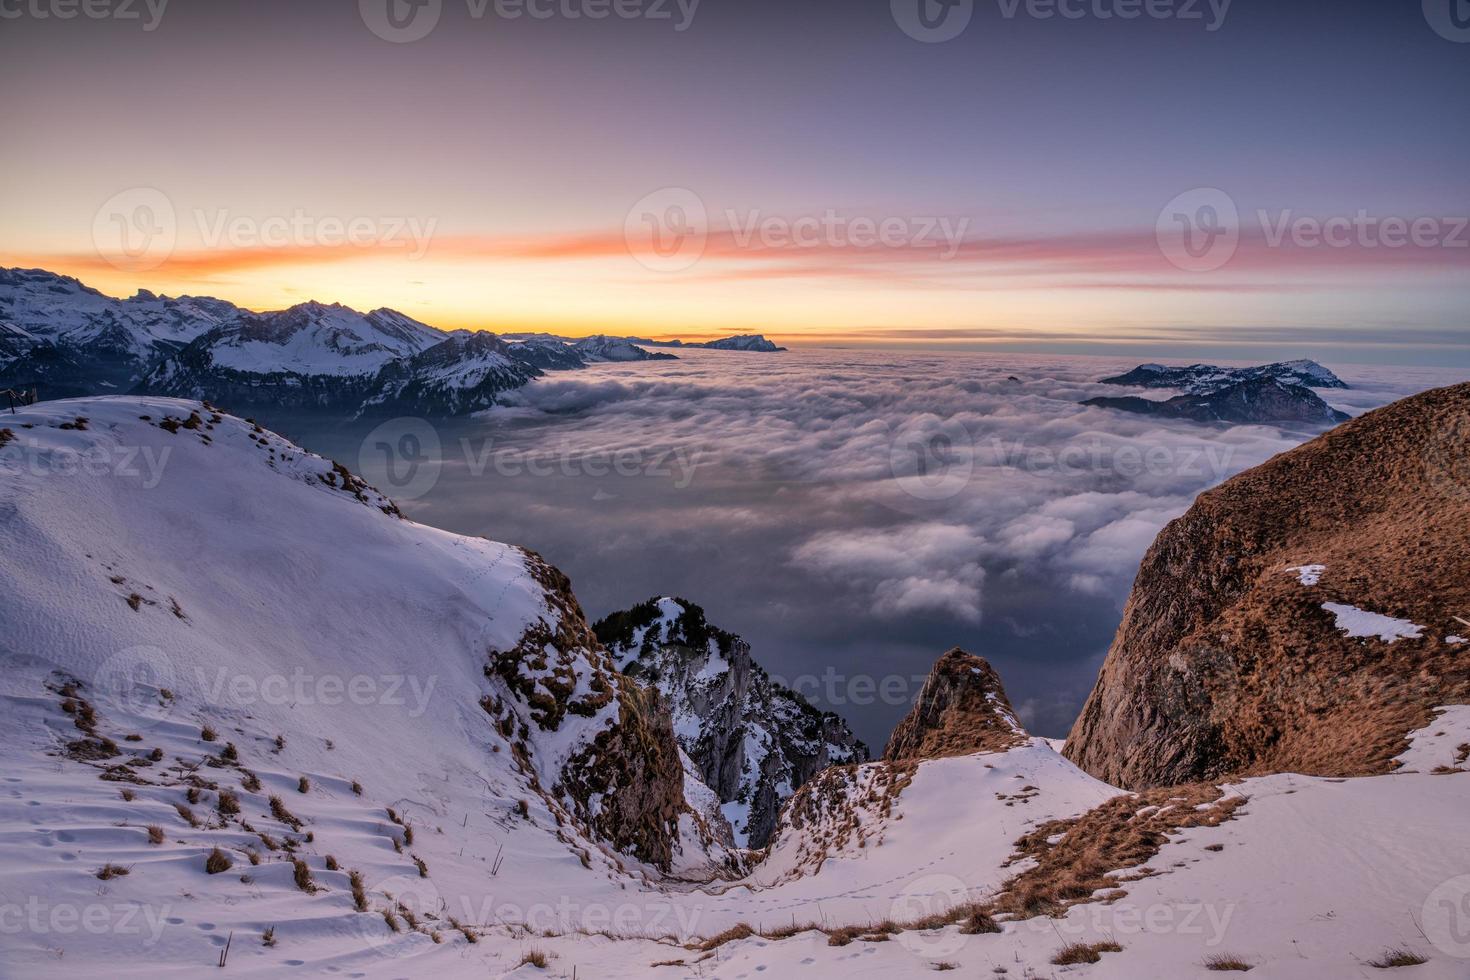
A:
(326, 340)
(1362, 623)
(284, 583)
(1308, 574)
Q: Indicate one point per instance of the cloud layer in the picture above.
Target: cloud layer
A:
(858, 512)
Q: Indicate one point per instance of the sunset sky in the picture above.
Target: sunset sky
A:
(501, 173)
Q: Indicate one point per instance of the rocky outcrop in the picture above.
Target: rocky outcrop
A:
(753, 741)
(962, 709)
(1246, 402)
(626, 782)
(1304, 616)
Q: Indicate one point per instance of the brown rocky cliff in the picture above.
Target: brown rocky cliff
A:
(1226, 663)
(961, 710)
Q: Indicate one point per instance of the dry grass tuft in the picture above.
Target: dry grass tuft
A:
(1124, 832)
(279, 811)
(229, 804)
(1397, 957)
(155, 834)
(1227, 961)
(1075, 953)
(359, 893)
(730, 935)
(302, 876)
(217, 862)
(110, 871)
(534, 957)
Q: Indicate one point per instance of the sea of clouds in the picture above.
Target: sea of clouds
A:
(855, 513)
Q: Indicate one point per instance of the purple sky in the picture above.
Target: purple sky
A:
(519, 146)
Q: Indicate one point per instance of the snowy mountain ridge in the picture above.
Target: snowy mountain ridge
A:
(753, 741)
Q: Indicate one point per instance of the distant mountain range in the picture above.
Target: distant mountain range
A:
(1279, 392)
(66, 339)
(1203, 379)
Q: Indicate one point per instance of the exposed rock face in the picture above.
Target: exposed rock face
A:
(1255, 400)
(753, 741)
(1300, 617)
(626, 783)
(962, 709)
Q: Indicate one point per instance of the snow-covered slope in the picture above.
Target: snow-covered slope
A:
(753, 741)
(196, 609)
